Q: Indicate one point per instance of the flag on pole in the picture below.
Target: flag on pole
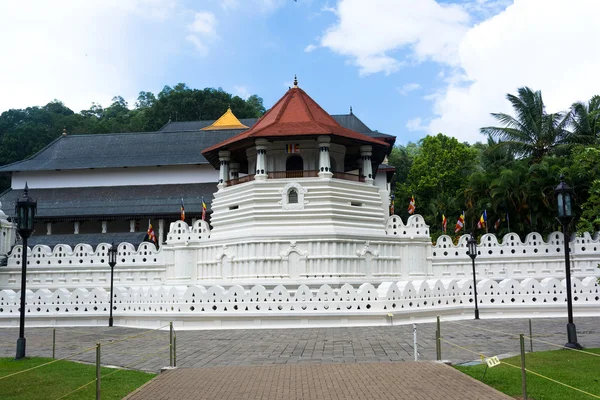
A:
(444, 223)
(182, 210)
(411, 205)
(482, 223)
(497, 225)
(460, 223)
(203, 209)
(150, 236)
(392, 204)
(508, 222)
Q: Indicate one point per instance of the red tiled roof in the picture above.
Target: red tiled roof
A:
(296, 114)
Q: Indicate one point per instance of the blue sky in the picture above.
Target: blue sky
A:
(408, 68)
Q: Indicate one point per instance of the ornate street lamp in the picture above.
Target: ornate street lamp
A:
(25, 211)
(563, 193)
(472, 245)
(112, 261)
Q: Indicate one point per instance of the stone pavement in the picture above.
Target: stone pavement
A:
(148, 350)
(414, 381)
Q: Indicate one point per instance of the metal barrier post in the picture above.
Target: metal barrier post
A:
(97, 371)
(174, 350)
(523, 372)
(171, 344)
(415, 342)
(53, 343)
(438, 343)
(530, 337)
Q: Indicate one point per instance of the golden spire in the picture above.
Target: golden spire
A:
(295, 81)
(225, 121)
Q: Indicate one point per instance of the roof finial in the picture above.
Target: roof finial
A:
(64, 131)
(350, 110)
(295, 81)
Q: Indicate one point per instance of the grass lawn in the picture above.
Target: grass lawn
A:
(573, 368)
(58, 379)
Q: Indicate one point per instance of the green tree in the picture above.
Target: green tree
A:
(585, 121)
(532, 132)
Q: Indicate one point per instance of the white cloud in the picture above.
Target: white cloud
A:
(543, 44)
(229, 4)
(241, 91)
(409, 87)
(203, 30)
(75, 51)
(416, 124)
(369, 31)
(310, 48)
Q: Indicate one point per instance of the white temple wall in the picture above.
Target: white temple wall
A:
(115, 177)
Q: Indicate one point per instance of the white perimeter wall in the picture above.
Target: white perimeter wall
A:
(116, 176)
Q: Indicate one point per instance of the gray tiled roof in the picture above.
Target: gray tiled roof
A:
(114, 201)
(177, 143)
(93, 239)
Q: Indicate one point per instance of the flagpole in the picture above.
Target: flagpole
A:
(508, 221)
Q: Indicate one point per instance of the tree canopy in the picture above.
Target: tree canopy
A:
(23, 132)
(512, 176)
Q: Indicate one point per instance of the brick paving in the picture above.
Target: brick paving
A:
(415, 381)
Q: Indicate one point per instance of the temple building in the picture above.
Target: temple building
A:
(100, 188)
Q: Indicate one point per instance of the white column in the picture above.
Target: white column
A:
(223, 168)
(261, 159)
(76, 227)
(234, 170)
(324, 160)
(49, 228)
(365, 153)
(131, 225)
(161, 231)
(104, 226)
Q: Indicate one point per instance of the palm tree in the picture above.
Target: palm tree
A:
(533, 132)
(585, 121)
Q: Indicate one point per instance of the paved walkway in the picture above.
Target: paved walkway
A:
(148, 350)
(415, 381)
(333, 363)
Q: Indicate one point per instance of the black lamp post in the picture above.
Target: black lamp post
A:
(564, 194)
(25, 210)
(112, 261)
(472, 245)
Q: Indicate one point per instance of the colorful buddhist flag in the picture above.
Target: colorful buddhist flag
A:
(182, 210)
(203, 209)
(292, 148)
(497, 225)
(444, 223)
(482, 223)
(392, 198)
(411, 205)
(150, 236)
(460, 223)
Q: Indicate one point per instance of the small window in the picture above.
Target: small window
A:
(293, 197)
(234, 207)
(355, 204)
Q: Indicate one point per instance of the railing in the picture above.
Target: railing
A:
(348, 177)
(243, 179)
(292, 174)
(296, 174)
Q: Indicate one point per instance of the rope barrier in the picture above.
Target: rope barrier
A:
(134, 336)
(562, 346)
(552, 380)
(79, 388)
(525, 336)
(147, 357)
(527, 370)
(48, 363)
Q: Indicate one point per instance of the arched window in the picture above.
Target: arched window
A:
(293, 197)
(294, 163)
(294, 166)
